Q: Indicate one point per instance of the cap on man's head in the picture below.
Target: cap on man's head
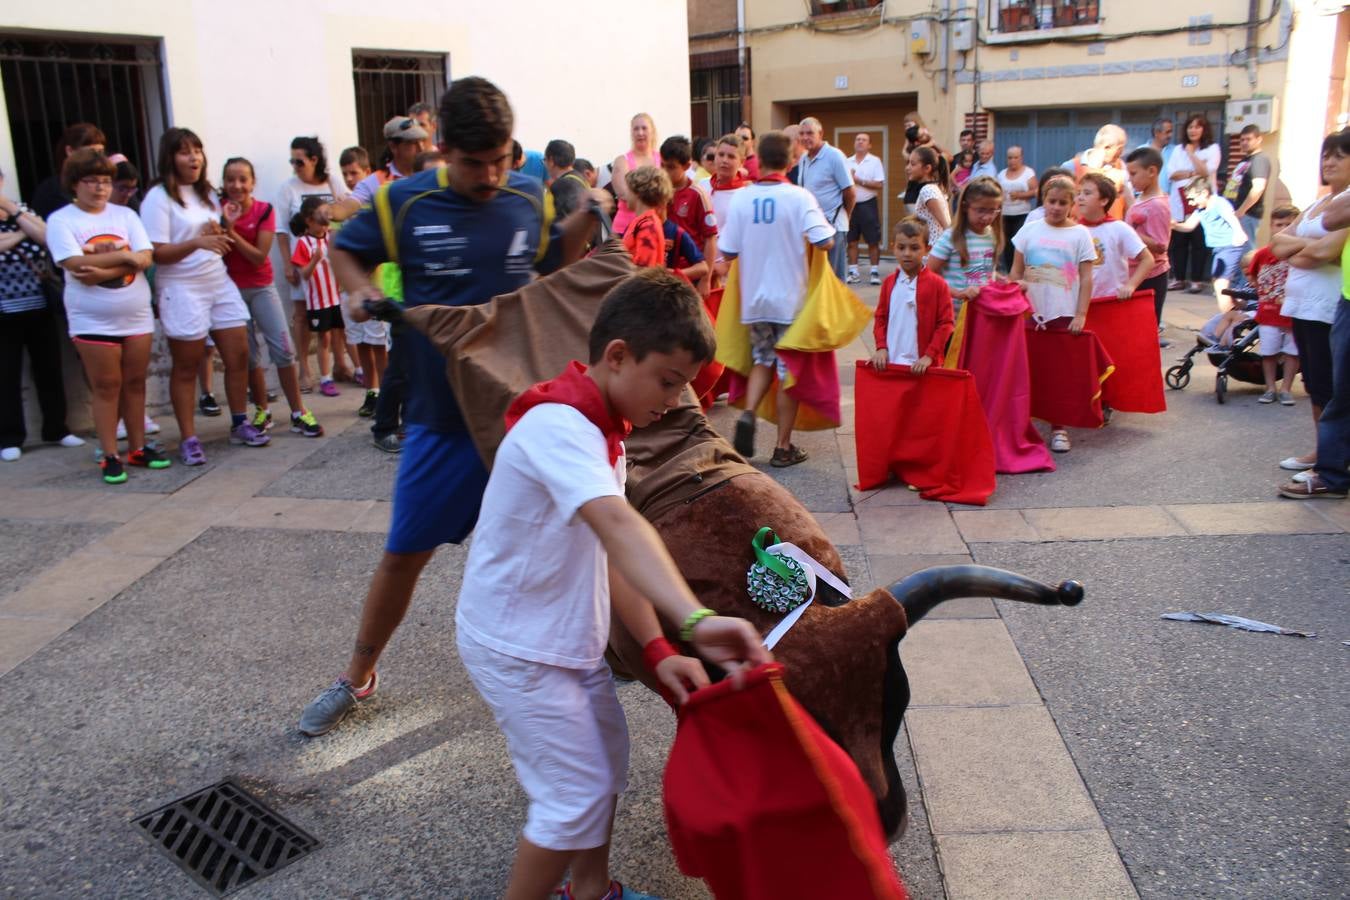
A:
(404, 128)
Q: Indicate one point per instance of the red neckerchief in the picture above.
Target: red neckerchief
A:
(775, 178)
(734, 184)
(575, 389)
(1102, 221)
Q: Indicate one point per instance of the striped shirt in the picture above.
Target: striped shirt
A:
(321, 287)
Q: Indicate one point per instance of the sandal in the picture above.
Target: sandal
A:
(744, 441)
(789, 457)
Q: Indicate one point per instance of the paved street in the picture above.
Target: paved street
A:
(162, 635)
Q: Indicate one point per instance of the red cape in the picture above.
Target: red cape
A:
(1129, 331)
(762, 805)
(928, 429)
(994, 350)
(1067, 375)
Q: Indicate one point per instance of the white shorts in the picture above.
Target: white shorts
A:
(371, 331)
(1275, 340)
(568, 741)
(189, 311)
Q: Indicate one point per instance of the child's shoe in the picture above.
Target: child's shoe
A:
(329, 389)
(616, 892)
(191, 452)
(11, 454)
(1286, 398)
(1059, 442)
(113, 473)
(305, 423)
(262, 419)
(368, 405)
(1267, 397)
(208, 405)
(853, 277)
(874, 277)
(247, 435)
(148, 458)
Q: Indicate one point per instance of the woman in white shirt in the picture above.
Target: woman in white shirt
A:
(196, 295)
(1197, 156)
(1018, 181)
(313, 177)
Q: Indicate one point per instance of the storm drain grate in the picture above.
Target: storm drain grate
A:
(225, 838)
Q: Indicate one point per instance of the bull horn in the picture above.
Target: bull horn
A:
(920, 592)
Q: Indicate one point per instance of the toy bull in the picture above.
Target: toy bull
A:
(842, 656)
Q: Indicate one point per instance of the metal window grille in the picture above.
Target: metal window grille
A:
(719, 92)
(387, 84)
(1008, 16)
(53, 82)
(825, 7)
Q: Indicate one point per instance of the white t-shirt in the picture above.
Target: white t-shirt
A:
(1052, 257)
(870, 169)
(1180, 161)
(902, 326)
(1114, 243)
(95, 309)
(765, 228)
(536, 584)
(289, 198)
(1019, 183)
(168, 223)
(721, 202)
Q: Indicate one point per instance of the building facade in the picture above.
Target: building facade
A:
(1043, 74)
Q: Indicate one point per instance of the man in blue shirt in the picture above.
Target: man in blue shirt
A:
(823, 171)
(461, 235)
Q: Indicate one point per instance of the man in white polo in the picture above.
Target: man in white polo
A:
(869, 178)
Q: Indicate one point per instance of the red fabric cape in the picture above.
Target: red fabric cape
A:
(928, 429)
(994, 350)
(574, 388)
(762, 805)
(1129, 331)
(1067, 375)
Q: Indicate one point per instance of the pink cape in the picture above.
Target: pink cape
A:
(994, 350)
(815, 386)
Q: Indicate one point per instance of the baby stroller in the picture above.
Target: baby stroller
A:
(1239, 361)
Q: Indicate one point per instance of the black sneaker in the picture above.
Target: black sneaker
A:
(305, 423)
(148, 458)
(208, 405)
(368, 405)
(113, 473)
(389, 443)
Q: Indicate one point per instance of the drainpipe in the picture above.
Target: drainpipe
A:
(740, 57)
(1253, 13)
(945, 74)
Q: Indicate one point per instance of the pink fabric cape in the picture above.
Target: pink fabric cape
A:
(994, 350)
(815, 387)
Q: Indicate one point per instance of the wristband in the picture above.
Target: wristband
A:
(698, 615)
(658, 649)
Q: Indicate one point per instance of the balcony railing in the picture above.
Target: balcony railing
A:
(1015, 16)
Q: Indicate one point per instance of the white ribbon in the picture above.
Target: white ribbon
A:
(814, 570)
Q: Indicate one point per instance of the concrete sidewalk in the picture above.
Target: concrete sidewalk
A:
(161, 635)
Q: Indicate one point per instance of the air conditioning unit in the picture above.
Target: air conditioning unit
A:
(1259, 111)
(921, 37)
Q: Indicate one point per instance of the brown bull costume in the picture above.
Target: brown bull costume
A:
(706, 502)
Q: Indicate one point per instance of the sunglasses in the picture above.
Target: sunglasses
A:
(298, 162)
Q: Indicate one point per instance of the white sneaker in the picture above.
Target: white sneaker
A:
(71, 440)
(121, 430)
(1294, 464)
(853, 277)
(9, 454)
(151, 426)
(1303, 476)
(1059, 442)
(875, 277)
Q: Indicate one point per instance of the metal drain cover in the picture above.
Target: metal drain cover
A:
(225, 838)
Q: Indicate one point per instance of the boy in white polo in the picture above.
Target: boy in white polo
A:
(765, 229)
(534, 610)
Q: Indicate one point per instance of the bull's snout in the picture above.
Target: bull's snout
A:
(922, 591)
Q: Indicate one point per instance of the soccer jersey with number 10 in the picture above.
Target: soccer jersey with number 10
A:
(766, 227)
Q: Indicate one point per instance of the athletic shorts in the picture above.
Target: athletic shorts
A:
(191, 311)
(567, 737)
(1274, 340)
(1226, 263)
(321, 320)
(865, 223)
(437, 491)
(764, 337)
(371, 331)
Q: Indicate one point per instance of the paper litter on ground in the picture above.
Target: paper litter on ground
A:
(1236, 622)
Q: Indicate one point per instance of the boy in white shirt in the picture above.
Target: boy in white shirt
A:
(765, 226)
(534, 610)
(1118, 246)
